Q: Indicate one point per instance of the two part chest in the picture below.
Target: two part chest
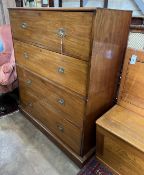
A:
(63, 61)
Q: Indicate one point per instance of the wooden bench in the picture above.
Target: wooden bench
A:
(120, 132)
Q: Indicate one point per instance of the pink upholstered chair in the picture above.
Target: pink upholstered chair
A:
(8, 76)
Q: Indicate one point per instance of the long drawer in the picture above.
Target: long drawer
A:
(58, 98)
(54, 120)
(44, 28)
(66, 71)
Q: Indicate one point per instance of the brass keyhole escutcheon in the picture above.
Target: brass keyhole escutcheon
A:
(25, 54)
(61, 101)
(61, 70)
(29, 82)
(60, 127)
(61, 33)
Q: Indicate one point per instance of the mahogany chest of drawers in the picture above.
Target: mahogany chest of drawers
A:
(68, 64)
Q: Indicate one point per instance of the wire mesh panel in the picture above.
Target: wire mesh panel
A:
(136, 40)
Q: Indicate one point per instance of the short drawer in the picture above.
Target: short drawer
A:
(66, 71)
(54, 120)
(58, 98)
(44, 29)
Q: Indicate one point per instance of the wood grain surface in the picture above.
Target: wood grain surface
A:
(48, 63)
(73, 106)
(120, 131)
(42, 30)
(71, 81)
(110, 34)
(83, 9)
(131, 94)
(121, 157)
(125, 124)
(52, 118)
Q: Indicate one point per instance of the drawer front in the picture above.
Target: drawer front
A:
(66, 71)
(61, 100)
(54, 120)
(44, 28)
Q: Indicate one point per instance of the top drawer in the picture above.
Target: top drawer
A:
(44, 29)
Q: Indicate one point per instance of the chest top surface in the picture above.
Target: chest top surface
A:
(55, 9)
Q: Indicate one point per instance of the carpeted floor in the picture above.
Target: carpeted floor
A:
(94, 167)
(24, 150)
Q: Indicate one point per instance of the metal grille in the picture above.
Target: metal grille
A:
(136, 41)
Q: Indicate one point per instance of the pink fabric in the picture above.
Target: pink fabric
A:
(8, 76)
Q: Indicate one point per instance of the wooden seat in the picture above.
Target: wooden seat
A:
(125, 124)
(120, 132)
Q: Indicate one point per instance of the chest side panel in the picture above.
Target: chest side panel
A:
(110, 33)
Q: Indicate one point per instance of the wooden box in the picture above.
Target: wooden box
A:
(120, 132)
(68, 63)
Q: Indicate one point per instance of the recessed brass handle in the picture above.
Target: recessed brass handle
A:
(60, 127)
(25, 54)
(24, 25)
(30, 105)
(61, 101)
(61, 70)
(61, 32)
(29, 82)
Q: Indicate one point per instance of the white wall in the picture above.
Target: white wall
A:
(4, 15)
(76, 3)
(114, 4)
(1, 14)
(125, 5)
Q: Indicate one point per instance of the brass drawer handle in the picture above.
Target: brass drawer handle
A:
(61, 32)
(24, 25)
(30, 105)
(61, 101)
(29, 82)
(61, 70)
(60, 127)
(25, 54)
